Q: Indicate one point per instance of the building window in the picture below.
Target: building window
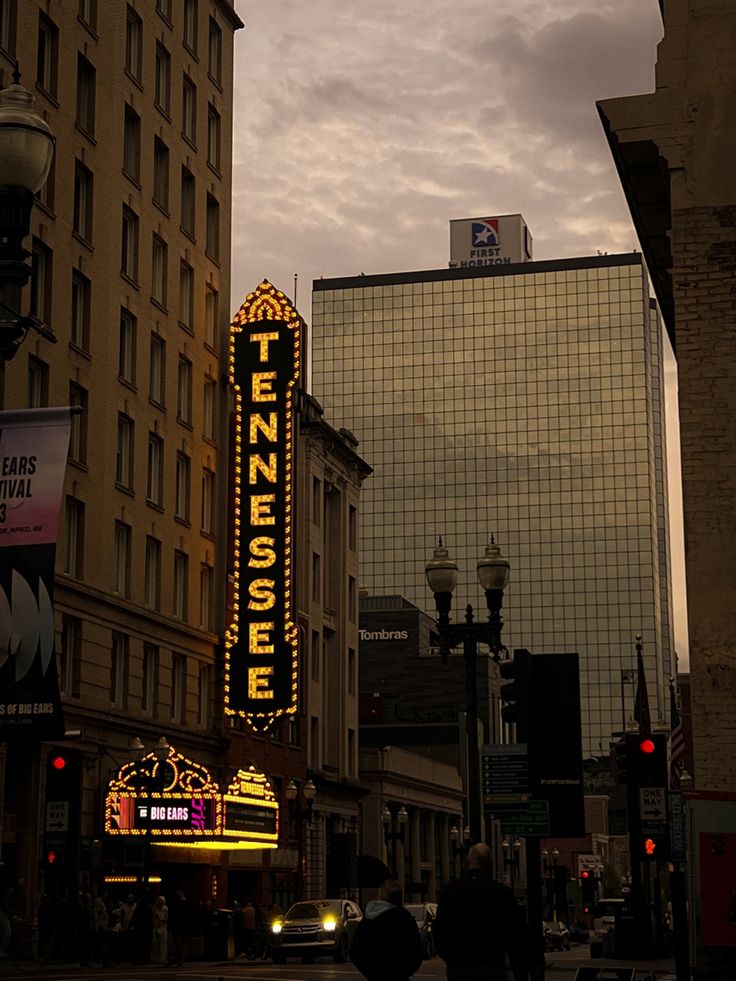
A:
(45, 195)
(211, 306)
(208, 422)
(186, 295)
(352, 599)
(351, 670)
(134, 45)
(161, 174)
(190, 25)
(154, 489)
(129, 257)
(152, 583)
(38, 383)
(184, 392)
(70, 655)
(181, 585)
(212, 243)
(48, 54)
(351, 753)
(187, 202)
(183, 465)
(314, 753)
(8, 25)
(159, 262)
(352, 528)
(132, 144)
(149, 680)
(157, 370)
(315, 658)
(178, 667)
(41, 281)
(122, 559)
(205, 684)
(205, 597)
(74, 538)
(317, 501)
(208, 502)
(119, 670)
(162, 95)
(86, 81)
(78, 434)
(81, 289)
(189, 110)
(316, 578)
(83, 197)
(124, 460)
(127, 347)
(213, 137)
(163, 7)
(88, 13)
(214, 52)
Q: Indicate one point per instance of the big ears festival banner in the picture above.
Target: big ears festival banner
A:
(33, 451)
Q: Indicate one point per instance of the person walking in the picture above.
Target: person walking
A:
(478, 923)
(387, 945)
(160, 944)
(180, 925)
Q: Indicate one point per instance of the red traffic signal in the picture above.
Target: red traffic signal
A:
(51, 856)
(650, 846)
(58, 762)
(647, 746)
(585, 875)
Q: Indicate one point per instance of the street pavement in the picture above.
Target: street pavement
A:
(561, 966)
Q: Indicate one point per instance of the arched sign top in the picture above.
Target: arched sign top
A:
(172, 775)
(251, 784)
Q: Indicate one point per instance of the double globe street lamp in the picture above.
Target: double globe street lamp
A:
(493, 575)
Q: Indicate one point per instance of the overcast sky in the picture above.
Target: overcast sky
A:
(362, 128)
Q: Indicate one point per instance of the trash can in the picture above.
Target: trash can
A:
(219, 941)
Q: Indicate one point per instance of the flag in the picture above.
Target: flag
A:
(677, 742)
(641, 705)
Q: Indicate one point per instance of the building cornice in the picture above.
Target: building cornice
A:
(228, 12)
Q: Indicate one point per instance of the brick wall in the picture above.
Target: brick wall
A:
(704, 252)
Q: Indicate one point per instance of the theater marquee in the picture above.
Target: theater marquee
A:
(261, 642)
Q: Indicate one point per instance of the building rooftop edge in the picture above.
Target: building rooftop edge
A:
(479, 272)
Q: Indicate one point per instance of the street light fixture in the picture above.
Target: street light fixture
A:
(511, 852)
(394, 830)
(26, 154)
(550, 869)
(493, 575)
(300, 811)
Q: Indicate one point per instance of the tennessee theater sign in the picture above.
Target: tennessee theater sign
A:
(261, 642)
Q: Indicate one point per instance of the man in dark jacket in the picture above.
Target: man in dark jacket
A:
(387, 945)
(478, 922)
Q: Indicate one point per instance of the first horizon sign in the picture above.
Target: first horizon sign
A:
(261, 642)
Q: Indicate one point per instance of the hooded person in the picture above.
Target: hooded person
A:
(387, 945)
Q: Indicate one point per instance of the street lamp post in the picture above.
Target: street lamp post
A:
(511, 852)
(26, 154)
(300, 812)
(394, 832)
(550, 869)
(493, 575)
(459, 849)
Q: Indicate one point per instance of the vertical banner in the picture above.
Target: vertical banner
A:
(261, 642)
(33, 451)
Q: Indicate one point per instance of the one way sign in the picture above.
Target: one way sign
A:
(652, 804)
(57, 815)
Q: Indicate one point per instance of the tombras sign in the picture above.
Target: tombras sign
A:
(261, 641)
(174, 801)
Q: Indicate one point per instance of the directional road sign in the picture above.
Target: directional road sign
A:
(57, 815)
(505, 773)
(652, 804)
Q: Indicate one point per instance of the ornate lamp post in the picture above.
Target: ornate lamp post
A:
(511, 852)
(394, 831)
(493, 575)
(550, 868)
(300, 812)
(26, 154)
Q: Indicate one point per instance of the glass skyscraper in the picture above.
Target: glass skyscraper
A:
(527, 401)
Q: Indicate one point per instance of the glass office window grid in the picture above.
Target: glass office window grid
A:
(528, 405)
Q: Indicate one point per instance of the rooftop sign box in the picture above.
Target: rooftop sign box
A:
(489, 241)
(261, 642)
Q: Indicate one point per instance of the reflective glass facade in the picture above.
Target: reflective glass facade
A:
(526, 401)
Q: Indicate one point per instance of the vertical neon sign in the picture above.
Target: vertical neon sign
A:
(261, 642)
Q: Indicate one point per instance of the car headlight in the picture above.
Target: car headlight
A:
(329, 925)
(276, 926)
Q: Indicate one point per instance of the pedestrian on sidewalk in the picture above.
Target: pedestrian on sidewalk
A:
(387, 945)
(479, 923)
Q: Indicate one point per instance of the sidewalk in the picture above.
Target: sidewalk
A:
(663, 968)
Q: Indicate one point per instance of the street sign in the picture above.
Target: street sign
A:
(678, 843)
(531, 818)
(505, 773)
(652, 804)
(57, 815)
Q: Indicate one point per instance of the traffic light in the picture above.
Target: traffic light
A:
(63, 784)
(652, 761)
(588, 889)
(515, 692)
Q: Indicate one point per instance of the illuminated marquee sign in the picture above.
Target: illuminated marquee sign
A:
(261, 643)
(178, 802)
